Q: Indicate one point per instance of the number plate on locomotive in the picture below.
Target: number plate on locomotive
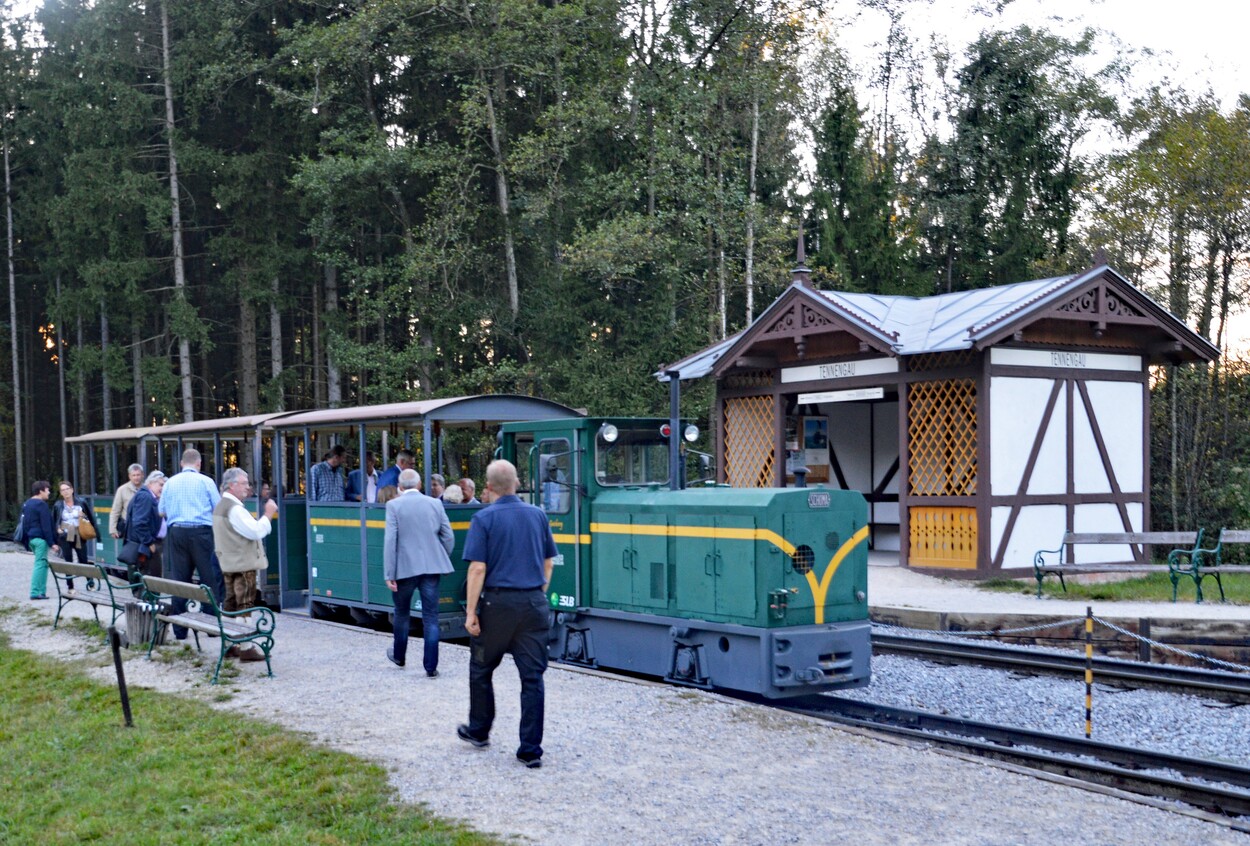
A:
(819, 499)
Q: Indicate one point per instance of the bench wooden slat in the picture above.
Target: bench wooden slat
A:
(1235, 536)
(1130, 537)
(255, 630)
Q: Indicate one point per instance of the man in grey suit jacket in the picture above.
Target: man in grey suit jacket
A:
(415, 554)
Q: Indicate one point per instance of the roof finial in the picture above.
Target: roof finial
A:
(801, 274)
(1100, 257)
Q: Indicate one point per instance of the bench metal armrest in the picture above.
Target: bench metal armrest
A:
(265, 622)
(1039, 562)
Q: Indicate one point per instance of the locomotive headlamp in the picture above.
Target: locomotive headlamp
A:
(609, 433)
(691, 433)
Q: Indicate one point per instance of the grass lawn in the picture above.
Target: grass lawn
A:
(1154, 587)
(71, 772)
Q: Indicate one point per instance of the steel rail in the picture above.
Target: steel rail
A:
(1140, 771)
(1234, 687)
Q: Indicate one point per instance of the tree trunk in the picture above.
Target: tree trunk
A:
(180, 275)
(18, 445)
(275, 343)
(60, 381)
(501, 196)
(319, 399)
(249, 385)
(83, 426)
(106, 406)
(136, 364)
(334, 380)
(749, 275)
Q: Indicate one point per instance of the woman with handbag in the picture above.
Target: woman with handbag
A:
(75, 524)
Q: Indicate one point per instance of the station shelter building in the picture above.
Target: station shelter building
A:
(979, 425)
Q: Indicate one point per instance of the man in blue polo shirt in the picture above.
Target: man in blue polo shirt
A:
(187, 503)
(510, 552)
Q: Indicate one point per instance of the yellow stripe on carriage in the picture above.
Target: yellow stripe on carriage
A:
(714, 532)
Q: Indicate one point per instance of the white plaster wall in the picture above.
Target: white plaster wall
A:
(1050, 475)
(1119, 407)
(1088, 474)
(1104, 518)
(885, 421)
(1037, 527)
(1016, 407)
(888, 538)
(850, 436)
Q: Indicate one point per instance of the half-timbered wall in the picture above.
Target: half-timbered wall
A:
(1067, 450)
(864, 451)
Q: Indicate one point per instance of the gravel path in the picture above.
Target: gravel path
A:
(625, 762)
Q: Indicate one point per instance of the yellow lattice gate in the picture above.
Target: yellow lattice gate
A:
(942, 462)
(749, 433)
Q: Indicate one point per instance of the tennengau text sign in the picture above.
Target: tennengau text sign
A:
(1065, 359)
(839, 370)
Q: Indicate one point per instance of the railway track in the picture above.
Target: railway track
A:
(1214, 790)
(1216, 684)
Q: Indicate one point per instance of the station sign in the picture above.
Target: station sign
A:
(1065, 359)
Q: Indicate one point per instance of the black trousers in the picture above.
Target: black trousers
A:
(189, 549)
(515, 622)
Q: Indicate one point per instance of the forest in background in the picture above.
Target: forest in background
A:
(221, 207)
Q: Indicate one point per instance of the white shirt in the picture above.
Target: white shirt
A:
(371, 487)
(245, 524)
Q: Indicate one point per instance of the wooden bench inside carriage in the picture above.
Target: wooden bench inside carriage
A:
(251, 626)
(89, 583)
(1198, 563)
(1044, 566)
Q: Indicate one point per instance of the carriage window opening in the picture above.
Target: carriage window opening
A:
(555, 475)
(636, 457)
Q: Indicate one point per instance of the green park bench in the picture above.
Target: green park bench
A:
(203, 616)
(1044, 565)
(95, 587)
(1198, 563)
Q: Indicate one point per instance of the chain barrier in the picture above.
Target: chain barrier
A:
(986, 632)
(1175, 650)
(1162, 647)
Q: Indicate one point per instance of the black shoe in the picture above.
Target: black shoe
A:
(462, 732)
(390, 656)
(531, 761)
(432, 674)
(40, 596)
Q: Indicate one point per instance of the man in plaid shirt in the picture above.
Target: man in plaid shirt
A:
(324, 482)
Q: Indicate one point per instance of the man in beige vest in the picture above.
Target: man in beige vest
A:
(121, 500)
(239, 540)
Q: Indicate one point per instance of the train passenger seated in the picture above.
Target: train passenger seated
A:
(437, 485)
(324, 482)
(453, 495)
(387, 493)
(468, 487)
(404, 460)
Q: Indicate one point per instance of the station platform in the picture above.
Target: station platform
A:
(899, 596)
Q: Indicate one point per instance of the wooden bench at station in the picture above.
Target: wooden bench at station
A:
(203, 616)
(1198, 563)
(1042, 568)
(95, 587)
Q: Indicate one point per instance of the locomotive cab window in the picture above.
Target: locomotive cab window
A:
(554, 475)
(632, 457)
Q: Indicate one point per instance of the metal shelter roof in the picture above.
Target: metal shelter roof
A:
(490, 408)
(105, 436)
(241, 425)
(945, 322)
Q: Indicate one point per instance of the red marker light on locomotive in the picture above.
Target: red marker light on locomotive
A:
(666, 430)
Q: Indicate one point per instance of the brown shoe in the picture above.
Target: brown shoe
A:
(251, 655)
(232, 652)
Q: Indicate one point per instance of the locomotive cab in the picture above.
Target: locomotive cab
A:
(761, 590)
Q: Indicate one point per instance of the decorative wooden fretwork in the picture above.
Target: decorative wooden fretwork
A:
(1100, 301)
(798, 318)
(943, 537)
(750, 424)
(748, 379)
(941, 361)
(942, 437)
